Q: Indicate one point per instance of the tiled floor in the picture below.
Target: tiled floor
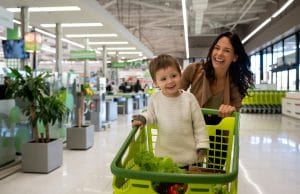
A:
(269, 161)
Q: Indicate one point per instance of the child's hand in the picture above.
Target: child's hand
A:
(138, 120)
(136, 123)
(202, 154)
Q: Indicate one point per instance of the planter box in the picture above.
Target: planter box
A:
(42, 157)
(80, 137)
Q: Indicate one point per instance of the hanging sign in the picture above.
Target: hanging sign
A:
(32, 41)
(83, 55)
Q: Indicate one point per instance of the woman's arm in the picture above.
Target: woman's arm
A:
(187, 75)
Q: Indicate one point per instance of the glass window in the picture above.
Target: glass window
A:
(292, 79)
(277, 54)
(264, 66)
(284, 80)
(269, 63)
(255, 67)
(278, 80)
(274, 78)
(290, 50)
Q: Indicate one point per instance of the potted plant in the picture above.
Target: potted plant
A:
(42, 154)
(81, 136)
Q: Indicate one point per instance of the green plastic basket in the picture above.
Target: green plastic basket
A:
(224, 145)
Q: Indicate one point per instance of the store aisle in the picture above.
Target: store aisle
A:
(269, 161)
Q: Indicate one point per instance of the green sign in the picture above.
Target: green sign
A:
(13, 34)
(83, 55)
(126, 64)
(118, 65)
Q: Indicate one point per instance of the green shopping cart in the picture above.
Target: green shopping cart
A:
(224, 148)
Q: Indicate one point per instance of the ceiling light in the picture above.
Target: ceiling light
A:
(16, 21)
(90, 35)
(106, 43)
(279, 11)
(256, 30)
(53, 36)
(127, 53)
(73, 25)
(48, 49)
(185, 26)
(44, 32)
(2, 38)
(73, 43)
(46, 9)
(267, 21)
(118, 48)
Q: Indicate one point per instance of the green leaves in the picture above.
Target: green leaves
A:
(148, 162)
(220, 189)
(34, 90)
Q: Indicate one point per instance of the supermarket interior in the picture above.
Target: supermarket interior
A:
(74, 73)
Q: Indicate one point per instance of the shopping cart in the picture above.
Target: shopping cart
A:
(224, 147)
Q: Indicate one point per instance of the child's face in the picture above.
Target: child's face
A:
(168, 80)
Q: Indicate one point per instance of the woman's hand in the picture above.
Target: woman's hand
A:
(226, 110)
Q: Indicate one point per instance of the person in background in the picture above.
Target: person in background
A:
(3, 88)
(109, 89)
(137, 86)
(223, 80)
(125, 87)
(114, 87)
(182, 135)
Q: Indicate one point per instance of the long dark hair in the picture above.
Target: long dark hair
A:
(239, 71)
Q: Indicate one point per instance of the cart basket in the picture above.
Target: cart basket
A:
(223, 154)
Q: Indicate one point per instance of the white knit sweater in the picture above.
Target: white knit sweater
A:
(181, 126)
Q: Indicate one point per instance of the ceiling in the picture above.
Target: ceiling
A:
(151, 26)
(158, 24)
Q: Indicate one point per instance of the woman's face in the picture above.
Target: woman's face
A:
(223, 55)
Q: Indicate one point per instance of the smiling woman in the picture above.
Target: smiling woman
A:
(222, 81)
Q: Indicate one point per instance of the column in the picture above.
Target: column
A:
(85, 62)
(104, 61)
(24, 28)
(59, 51)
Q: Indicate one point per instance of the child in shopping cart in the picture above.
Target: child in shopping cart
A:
(181, 128)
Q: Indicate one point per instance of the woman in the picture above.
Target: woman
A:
(222, 81)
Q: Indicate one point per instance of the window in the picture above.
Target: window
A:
(278, 54)
(290, 50)
(284, 80)
(269, 64)
(279, 80)
(255, 67)
(292, 79)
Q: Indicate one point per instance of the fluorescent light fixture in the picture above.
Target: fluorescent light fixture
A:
(90, 35)
(117, 48)
(46, 9)
(138, 59)
(185, 26)
(72, 43)
(107, 43)
(16, 21)
(2, 38)
(279, 11)
(127, 53)
(73, 25)
(48, 49)
(45, 33)
(256, 30)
